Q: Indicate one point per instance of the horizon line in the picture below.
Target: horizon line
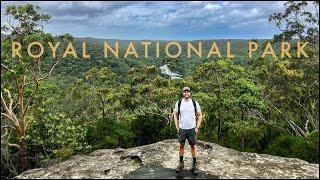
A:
(103, 38)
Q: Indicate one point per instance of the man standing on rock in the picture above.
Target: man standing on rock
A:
(188, 112)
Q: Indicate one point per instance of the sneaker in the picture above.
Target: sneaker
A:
(195, 169)
(180, 167)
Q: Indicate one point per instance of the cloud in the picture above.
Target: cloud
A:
(247, 13)
(213, 6)
(142, 18)
(250, 24)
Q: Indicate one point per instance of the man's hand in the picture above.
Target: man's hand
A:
(197, 130)
(199, 122)
(177, 129)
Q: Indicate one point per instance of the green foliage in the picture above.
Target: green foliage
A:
(247, 95)
(147, 129)
(313, 139)
(246, 131)
(63, 153)
(26, 73)
(54, 131)
(292, 146)
(28, 17)
(267, 135)
(108, 133)
(297, 21)
(167, 132)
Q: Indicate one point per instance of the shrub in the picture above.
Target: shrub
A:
(51, 131)
(294, 147)
(167, 132)
(146, 129)
(313, 138)
(63, 153)
(108, 134)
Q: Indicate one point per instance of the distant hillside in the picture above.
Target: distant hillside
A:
(93, 39)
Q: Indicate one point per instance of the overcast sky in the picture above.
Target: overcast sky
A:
(159, 20)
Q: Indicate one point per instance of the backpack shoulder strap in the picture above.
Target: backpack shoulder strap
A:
(195, 107)
(179, 104)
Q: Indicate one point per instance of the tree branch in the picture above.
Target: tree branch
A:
(288, 121)
(261, 117)
(9, 109)
(37, 80)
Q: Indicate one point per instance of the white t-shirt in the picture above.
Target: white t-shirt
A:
(187, 118)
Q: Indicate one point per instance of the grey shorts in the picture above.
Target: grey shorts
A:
(189, 134)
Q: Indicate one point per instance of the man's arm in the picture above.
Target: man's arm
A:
(198, 122)
(175, 117)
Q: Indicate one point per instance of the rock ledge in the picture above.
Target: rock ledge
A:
(214, 160)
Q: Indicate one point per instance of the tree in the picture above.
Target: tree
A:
(245, 98)
(214, 79)
(23, 76)
(292, 94)
(295, 83)
(101, 80)
(29, 20)
(298, 21)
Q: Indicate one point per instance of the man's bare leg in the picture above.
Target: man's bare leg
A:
(193, 151)
(181, 149)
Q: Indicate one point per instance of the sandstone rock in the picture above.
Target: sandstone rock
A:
(214, 161)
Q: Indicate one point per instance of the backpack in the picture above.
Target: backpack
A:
(194, 105)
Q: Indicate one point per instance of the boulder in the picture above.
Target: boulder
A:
(160, 159)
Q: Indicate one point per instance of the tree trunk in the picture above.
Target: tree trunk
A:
(208, 130)
(23, 157)
(102, 105)
(219, 129)
(241, 129)
(242, 142)
(219, 118)
(242, 115)
(103, 112)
